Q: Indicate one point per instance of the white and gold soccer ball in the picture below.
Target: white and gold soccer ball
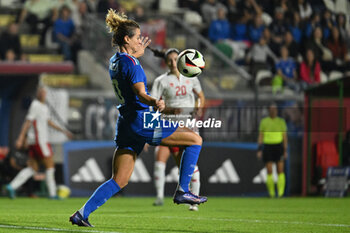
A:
(190, 63)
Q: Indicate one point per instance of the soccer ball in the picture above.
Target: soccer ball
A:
(190, 63)
(63, 191)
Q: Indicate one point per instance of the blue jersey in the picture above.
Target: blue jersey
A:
(287, 67)
(132, 131)
(125, 71)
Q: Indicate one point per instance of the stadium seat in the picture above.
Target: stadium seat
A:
(335, 75)
(6, 20)
(45, 58)
(326, 156)
(29, 41)
(323, 77)
(65, 80)
(263, 78)
(49, 42)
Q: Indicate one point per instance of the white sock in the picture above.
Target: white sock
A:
(22, 177)
(50, 182)
(195, 182)
(159, 178)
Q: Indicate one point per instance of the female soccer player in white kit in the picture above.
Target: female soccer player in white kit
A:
(35, 129)
(180, 94)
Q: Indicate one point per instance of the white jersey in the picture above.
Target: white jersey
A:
(38, 114)
(176, 92)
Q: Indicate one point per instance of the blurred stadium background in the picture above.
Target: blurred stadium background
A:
(81, 97)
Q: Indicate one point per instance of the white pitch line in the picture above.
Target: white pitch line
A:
(259, 221)
(53, 229)
(245, 220)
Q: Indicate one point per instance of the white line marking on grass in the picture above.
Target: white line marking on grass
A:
(53, 229)
(258, 221)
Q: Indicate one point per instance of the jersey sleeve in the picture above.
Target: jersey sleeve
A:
(136, 74)
(262, 126)
(197, 85)
(32, 111)
(157, 89)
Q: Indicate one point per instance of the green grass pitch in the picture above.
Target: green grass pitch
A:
(126, 214)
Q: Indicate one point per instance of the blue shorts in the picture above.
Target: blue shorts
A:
(132, 134)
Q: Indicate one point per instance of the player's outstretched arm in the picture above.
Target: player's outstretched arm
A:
(56, 127)
(23, 133)
(140, 91)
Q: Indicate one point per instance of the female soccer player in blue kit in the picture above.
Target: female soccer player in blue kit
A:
(130, 85)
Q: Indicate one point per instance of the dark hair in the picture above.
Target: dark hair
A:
(171, 50)
(120, 26)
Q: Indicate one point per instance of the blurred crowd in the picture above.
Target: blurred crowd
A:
(297, 40)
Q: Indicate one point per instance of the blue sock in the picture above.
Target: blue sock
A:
(188, 163)
(99, 197)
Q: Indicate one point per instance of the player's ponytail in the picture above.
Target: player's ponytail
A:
(120, 26)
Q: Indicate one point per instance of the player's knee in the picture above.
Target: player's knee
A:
(122, 182)
(198, 140)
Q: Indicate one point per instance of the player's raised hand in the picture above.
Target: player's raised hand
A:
(160, 105)
(69, 134)
(145, 41)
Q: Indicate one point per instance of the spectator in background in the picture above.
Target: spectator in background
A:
(344, 33)
(326, 24)
(258, 55)
(255, 30)
(339, 51)
(286, 70)
(64, 34)
(10, 46)
(312, 24)
(40, 15)
(240, 29)
(296, 28)
(139, 14)
(278, 27)
(249, 8)
(232, 11)
(310, 70)
(304, 9)
(321, 52)
(220, 28)
(268, 37)
(209, 13)
(291, 45)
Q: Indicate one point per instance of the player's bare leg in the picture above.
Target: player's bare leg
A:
(22, 177)
(162, 155)
(123, 166)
